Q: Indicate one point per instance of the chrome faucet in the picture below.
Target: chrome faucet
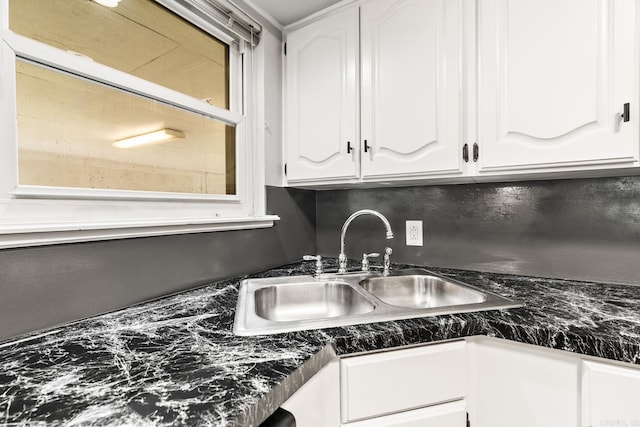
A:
(342, 258)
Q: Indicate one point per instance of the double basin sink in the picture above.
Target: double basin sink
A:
(285, 304)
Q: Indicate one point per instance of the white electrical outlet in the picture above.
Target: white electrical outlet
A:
(414, 233)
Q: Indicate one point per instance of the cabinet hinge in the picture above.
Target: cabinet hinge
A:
(285, 49)
(285, 169)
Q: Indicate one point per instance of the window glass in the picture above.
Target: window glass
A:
(138, 37)
(71, 129)
(67, 128)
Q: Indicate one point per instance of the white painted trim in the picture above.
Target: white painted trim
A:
(34, 215)
(258, 113)
(321, 14)
(8, 123)
(41, 53)
(179, 9)
(264, 14)
(196, 20)
(40, 192)
(133, 224)
(74, 233)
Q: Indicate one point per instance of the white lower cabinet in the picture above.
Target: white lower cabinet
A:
(487, 382)
(610, 395)
(394, 381)
(416, 386)
(453, 414)
(522, 385)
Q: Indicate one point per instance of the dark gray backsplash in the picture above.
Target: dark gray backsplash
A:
(50, 285)
(582, 228)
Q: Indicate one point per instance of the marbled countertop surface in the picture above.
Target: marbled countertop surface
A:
(175, 361)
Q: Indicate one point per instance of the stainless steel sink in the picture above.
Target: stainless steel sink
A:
(421, 291)
(292, 303)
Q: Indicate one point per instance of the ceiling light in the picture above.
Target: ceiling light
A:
(162, 135)
(108, 3)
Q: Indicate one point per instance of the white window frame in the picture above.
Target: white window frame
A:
(37, 215)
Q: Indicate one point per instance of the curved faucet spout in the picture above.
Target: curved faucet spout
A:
(342, 258)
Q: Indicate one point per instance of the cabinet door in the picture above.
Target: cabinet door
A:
(520, 385)
(451, 414)
(411, 53)
(321, 99)
(400, 380)
(554, 76)
(610, 395)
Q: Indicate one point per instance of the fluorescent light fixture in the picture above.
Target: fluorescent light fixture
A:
(108, 3)
(156, 137)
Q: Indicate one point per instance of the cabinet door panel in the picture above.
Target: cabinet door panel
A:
(554, 76)
(395, 381)
(410, 87)
(610, 395)
(521, 385)
(321, 98)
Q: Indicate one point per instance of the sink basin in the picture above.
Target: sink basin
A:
(421, 291)
(293, 303)
(309, 300)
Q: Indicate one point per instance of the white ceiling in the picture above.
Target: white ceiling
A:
(288, 11)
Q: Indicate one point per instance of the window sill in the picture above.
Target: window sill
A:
(18, 236)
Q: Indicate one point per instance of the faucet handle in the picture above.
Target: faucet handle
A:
(317, 259)
(365, 260)
(387, 259)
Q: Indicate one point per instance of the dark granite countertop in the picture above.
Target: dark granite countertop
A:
(175, 361)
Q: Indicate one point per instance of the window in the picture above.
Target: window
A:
(76, 133)
(87, 88)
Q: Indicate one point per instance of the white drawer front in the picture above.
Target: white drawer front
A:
(394, 381)
(453, 414)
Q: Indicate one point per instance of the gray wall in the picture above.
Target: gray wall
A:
(582, 228)
(50, 285)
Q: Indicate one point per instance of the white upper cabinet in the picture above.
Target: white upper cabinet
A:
(553, 79)
(388, 109)
(322, 99)
(410, 77)
(513, 87)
